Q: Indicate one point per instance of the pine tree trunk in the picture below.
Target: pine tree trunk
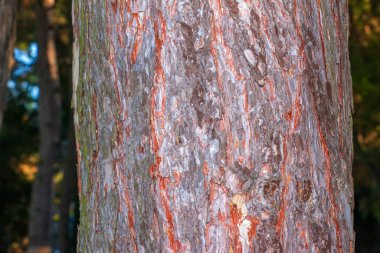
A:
(213, 126)
(49, 122)
(7, 40)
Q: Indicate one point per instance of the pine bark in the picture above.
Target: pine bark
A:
(213, 126)
(40, 226)
(7, 40)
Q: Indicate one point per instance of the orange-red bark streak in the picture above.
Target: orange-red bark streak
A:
(328, 176)
(252, 231)
(217, 39)
(236, 216)
(205, 173)
(175, 245)
(288, 116)
(214, 53)
(114, 6)
(153, 170)
(159, 81)
(139, 38)
(303, 236)
(155, 145)
(281, 213)
(211, 197)
(131, 220)
(177, 178)
(157, 119)
(297, 105)
(254, 223)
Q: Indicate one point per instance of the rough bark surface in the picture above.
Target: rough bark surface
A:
(213, 126)
(49, 123)
(7, 40)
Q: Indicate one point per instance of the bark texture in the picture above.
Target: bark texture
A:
(7, 40)
(49, 123)
(213, 126)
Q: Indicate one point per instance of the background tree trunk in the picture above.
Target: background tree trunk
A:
(7, 40)
(50, 122)
(69, 196)
(213, 126)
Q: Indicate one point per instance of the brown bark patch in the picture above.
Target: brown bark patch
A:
(270, 189)
(189, 50)
(304, 190)
(233, 8)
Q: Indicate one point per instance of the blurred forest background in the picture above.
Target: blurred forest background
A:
(21, 141)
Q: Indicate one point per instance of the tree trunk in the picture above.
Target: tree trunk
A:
(7, 40)
(69, 196)
(213, 126)
(49, 122)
